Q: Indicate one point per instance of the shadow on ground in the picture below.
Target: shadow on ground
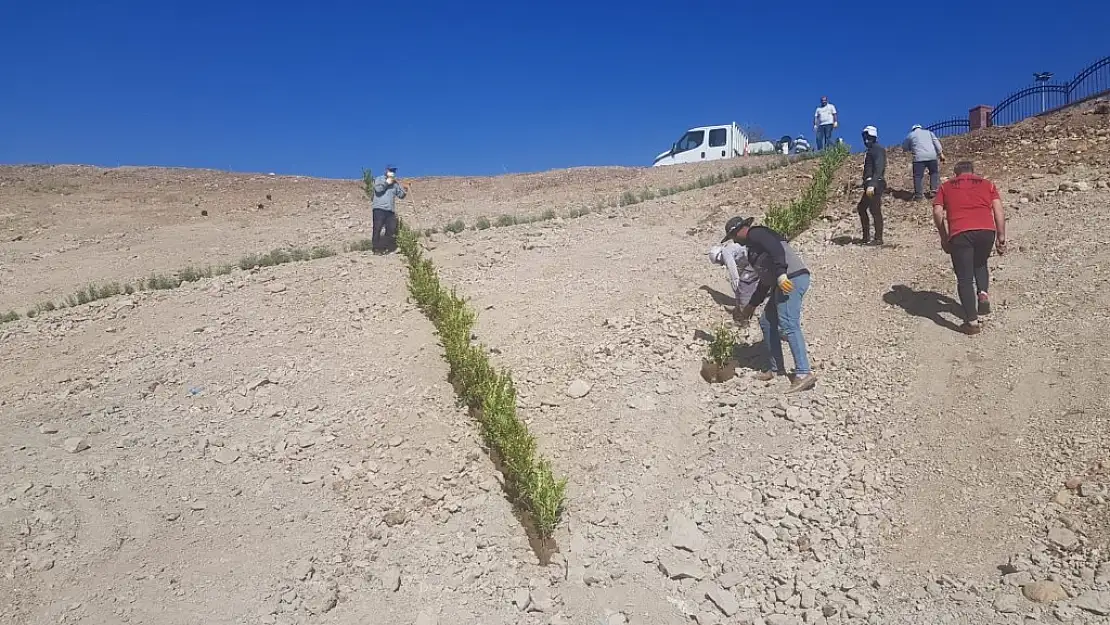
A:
(901, 194)
(720, 298)
(925, 304)
(845, 239)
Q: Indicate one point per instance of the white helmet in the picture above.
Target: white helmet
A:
(717, 255)
(871, 131)
(916, 126)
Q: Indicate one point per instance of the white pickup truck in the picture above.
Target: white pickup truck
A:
(705, 143)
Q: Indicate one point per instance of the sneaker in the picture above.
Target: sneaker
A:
(918, 198)
(984, 304)
(877, 242)
(971, 328)
(802, 383)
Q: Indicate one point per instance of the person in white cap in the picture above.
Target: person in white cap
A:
(742, 277)
(927, 156)
(874, 185)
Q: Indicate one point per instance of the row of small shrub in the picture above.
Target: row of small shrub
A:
(628, 198)
(160, 282)
(488, 392)
(795, 217)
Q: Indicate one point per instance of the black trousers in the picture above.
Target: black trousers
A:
(385, 230)
(970, 251)
(873, 205)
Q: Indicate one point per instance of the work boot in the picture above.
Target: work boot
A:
(802, 383)
(971, 328)
(767, 376)
(984, 304)
(878, 240)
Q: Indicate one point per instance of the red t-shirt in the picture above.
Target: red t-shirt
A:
(967, 203)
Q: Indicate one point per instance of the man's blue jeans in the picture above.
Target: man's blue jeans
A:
(824, 136)
(782, 318)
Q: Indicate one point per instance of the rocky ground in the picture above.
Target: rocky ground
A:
(281, 446)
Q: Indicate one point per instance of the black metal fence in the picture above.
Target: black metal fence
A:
(954, 126)
(1091, 82)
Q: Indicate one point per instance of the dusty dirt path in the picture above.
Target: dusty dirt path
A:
(267, 448)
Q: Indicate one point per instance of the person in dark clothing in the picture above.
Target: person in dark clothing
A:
(968, 214)
(783, 282)
(874, 185)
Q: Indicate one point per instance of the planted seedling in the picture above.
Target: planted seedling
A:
(719, 365)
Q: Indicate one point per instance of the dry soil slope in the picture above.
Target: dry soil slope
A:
(62, 227)
(275, 447)
(923, 453)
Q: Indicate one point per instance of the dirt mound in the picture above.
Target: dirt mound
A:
(282, 446)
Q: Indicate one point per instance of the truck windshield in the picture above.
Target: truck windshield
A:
(689, 141)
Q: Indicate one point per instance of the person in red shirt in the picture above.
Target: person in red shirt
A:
(967, 211)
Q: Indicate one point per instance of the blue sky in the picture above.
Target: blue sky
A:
(439, 87)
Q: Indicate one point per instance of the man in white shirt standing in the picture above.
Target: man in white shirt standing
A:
(824, 120)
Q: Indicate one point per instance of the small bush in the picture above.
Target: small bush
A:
(320, 251)
(161, 282)
(505, 220)
(547, 215)
(192, 274)
(9, 316)
(368, 184)
(361, 245)
(720, 349)
(455, 227)
(628, 198)
(482, 224)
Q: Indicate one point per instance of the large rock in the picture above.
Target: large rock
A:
(724, 600)
(685, 533)
(578, 389)
(766, 533)
(75, 445)
(1095, 602)
(1007, 604)
(677, 566)
(1062, 537)
(1044, 592)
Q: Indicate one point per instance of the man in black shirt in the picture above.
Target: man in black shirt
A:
(874, 185)
(783, 282)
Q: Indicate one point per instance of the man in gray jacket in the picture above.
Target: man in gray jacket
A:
(927, 154)
(387, 189)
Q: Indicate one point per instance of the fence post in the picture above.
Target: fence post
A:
(980, 117)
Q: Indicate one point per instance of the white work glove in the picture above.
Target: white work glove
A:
(870, 191)
(836, 124)
(785, 285)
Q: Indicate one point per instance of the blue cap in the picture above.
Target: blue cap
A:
(391, 168)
